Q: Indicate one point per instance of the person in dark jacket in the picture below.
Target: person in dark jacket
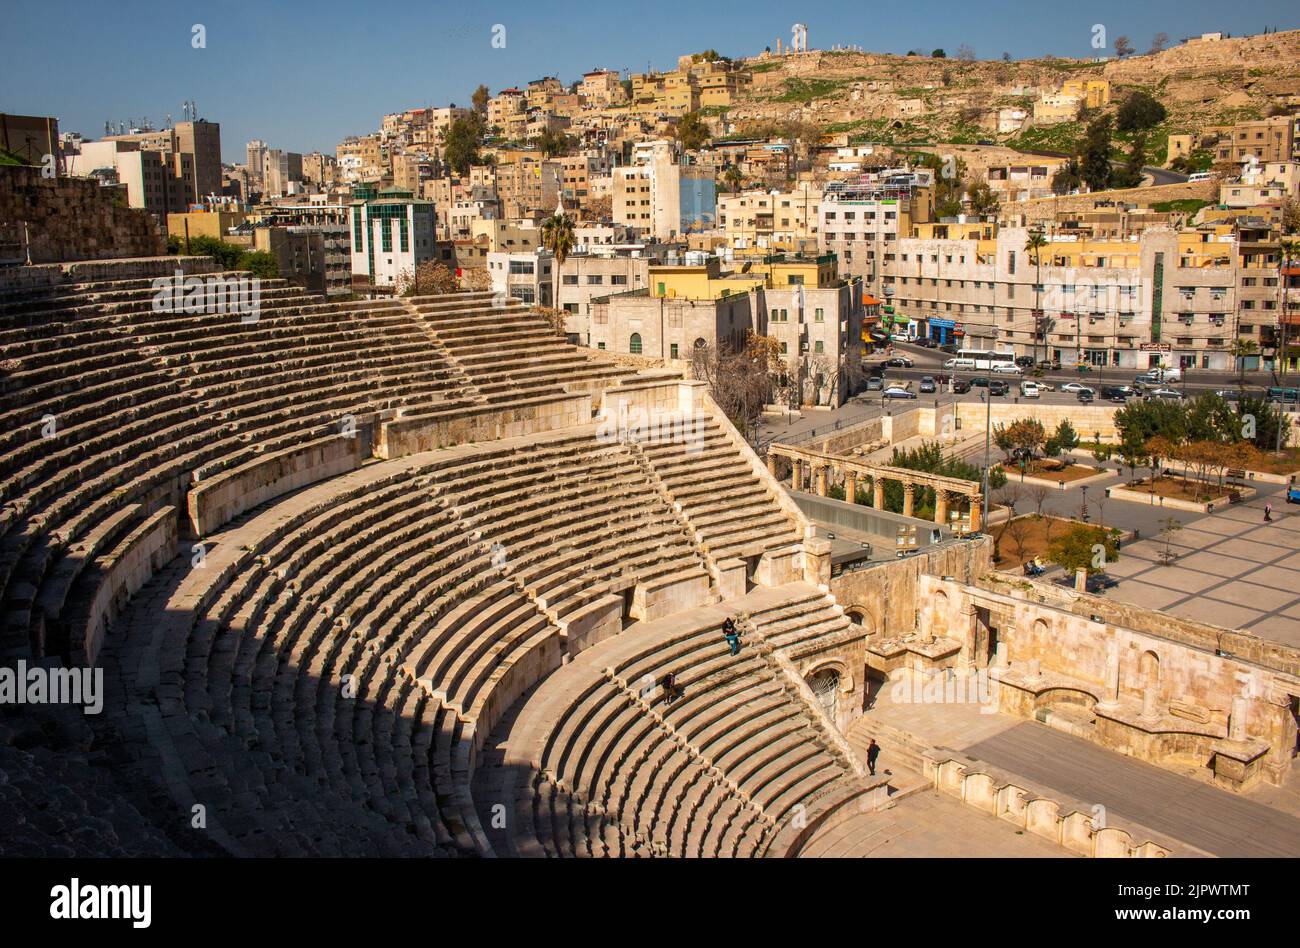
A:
(732, 635)
(873, 751)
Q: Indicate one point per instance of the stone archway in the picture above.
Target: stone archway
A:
(825, 684)
(1149, 671)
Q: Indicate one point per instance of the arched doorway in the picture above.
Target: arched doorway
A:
(634, 344)
(825, 685)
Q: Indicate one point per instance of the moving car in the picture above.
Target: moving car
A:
(1161, 375)
(998, 387)
(1012, 369)
(1025, 362)
(1283, 394)
(927, 384)
(1117, 393)
(960, 386)
(896, 392)
(1075, 387)
(1085, 396)
(956, 364)
(899, 362)
(1029, 389)
(979, 381)
(1164, 393)
(875, 384)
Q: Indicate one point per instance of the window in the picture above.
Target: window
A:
(634, 344)
(618, 279)
(819, 315)
(595, 279)
(819, 346)
(672, 351)
(570, 279)
(600, 345)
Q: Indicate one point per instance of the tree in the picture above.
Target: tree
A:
(938, 54)
(1291, 215)
(1027, 434)
(1096, 167)
(1159, 42)
(432, 278)
(1018, 528)
(1242, 349)
(600, 208)
(1084, 547)
(733, 177)
(1139, 113)
(965, 53)
(1123, 47)
(983, 199)
(1067, 177)
(461, 146)
(1066, 436)
(1038, 494)
(740, 381)
(692, 132)
(476, 280)
(557, 237)
(1130, 176)
(1006, 57)
(1288, 256)
(553, 143)
(1035, 244)
(480, 100)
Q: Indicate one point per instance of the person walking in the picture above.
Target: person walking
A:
(732, 636)
(1268, 513)
(873, 751)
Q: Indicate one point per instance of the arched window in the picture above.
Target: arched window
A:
(634, 344)
(700, 343)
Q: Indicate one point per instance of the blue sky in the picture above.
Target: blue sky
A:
(302, 75)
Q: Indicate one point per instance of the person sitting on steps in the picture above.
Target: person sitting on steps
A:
(732, 635)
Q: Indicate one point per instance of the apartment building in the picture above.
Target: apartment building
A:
(1164, 297)
(813, 314)
(311, 243)
(525, 276)
(282, 173)
(528, 186)
(392, 233)
(601, 89)
(585, 277)
(756, 220)
(861, 221)
(1264, 140)
(161, 182)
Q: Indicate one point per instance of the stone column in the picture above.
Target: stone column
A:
(941, 507)
(822, 475)
(794, 473)
(1080, 580)
(771, 464)
(851, 486)
(909, 497)
(878, 492)
(1111, 698)
(1237, 720)
(1150, 706)
(976, 513)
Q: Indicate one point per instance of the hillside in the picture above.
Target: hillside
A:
(876, 97)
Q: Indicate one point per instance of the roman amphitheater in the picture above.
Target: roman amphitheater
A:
(407, 577)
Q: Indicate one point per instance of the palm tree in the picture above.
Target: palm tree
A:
(1034, 245)
(1241, 349)
(557, 237)
(733, 178)
(1290, 255)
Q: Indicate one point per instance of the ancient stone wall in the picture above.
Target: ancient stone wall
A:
(73, 218)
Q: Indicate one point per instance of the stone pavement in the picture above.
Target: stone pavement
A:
(931, 825)
(1214, 820)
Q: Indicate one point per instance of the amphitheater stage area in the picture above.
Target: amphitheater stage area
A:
(1184, 813)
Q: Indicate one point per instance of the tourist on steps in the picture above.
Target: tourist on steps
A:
(873, 751)
(671, 691)
(732, 636)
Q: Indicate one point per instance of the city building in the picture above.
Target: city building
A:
(392, 233)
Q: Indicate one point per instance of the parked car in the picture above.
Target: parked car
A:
(1117, 393)
(1076, 387)
(1029, 389)
(1160, 375)
(927, 384)
(949, 347)
(998, 387)
(1293, 495)
(960, 386)
(1165, 393)
(899, 362)
(1025, 362)
(875, 384)
(896, 392)
(1050, 365)
(1085, 396)
(1276, 394)
(1007, 369)
(954, 365)
(1229, 394)
(925, 342)
(979, 381)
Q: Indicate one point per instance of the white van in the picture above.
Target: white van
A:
(1028, 389)
(1202, 176)
(959, 364)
